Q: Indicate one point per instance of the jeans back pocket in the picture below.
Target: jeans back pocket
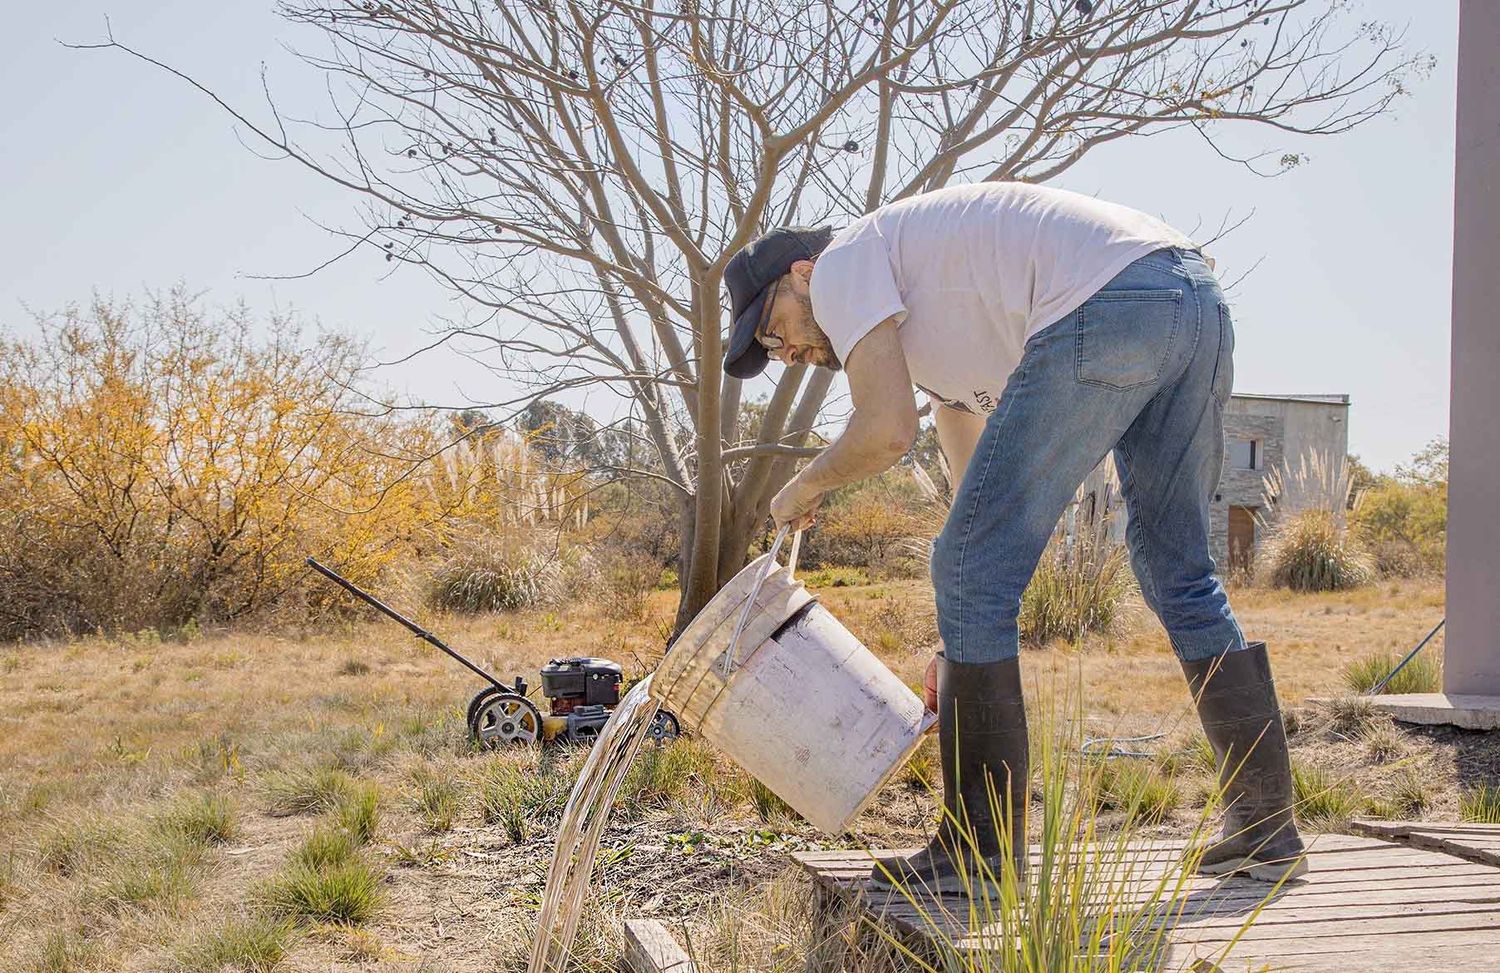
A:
(1124, 337)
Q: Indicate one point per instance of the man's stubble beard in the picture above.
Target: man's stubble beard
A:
(824, 355)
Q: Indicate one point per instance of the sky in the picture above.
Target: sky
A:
(119, 179)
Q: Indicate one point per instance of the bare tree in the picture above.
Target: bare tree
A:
(581, 172)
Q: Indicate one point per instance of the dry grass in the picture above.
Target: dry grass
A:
(212, 735)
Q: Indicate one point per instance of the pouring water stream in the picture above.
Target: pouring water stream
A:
(587, 811)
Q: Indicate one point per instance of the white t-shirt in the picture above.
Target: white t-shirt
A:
(970, 273)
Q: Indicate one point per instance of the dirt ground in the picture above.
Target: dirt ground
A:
(110, 731)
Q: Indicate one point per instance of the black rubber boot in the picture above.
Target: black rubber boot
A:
(1236, 699)
(982, 737)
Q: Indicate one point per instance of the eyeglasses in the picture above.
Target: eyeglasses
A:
(765, 318)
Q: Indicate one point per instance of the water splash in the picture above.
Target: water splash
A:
(583, 822)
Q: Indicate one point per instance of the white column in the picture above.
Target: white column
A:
(1472, 656)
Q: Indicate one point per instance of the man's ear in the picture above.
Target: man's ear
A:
(802, 270)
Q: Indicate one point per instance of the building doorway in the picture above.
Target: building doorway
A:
(1241, 538)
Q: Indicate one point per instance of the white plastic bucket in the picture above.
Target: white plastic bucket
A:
(805, 707)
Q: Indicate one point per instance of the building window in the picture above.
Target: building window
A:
(1244, 454)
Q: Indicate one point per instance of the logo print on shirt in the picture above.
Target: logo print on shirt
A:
(957, 404)
(985, 399)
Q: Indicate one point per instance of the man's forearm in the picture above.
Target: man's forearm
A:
(863, 451)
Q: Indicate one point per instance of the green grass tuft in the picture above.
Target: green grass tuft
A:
(519, 790)
(1480, 805)
(437, 798)
(1324, 801)
(1147, 794)
(207, 819)
(63, 952)
(1080, 586)
(162, 874)
(346, 894)
(665, 774)
(1411, 796)
(326, 847)
(504, 794)
(306, 790)
(1383, 742)
(1424, 674)
(768, 807)
(69, 845)
(359, 811)
(255, 945)
(1351, 714)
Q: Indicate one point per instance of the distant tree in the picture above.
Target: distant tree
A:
(580, 174)
(471, 424)
(1428, 466)
(1404, 519)
(571, 438)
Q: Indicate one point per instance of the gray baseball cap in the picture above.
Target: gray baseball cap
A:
(749, 276)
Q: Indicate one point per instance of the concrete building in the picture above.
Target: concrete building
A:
(1282, 454)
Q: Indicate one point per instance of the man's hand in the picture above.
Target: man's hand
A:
(796, 505)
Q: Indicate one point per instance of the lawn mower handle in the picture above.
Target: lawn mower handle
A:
(412, 626)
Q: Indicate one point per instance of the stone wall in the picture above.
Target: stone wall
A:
(1244, 488)
(1287, 429)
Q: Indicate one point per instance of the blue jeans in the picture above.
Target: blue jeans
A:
(1143, 368)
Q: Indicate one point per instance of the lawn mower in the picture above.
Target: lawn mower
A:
(581, 692)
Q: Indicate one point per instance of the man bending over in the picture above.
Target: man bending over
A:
(1049, 329)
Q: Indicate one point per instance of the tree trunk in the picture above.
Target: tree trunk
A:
(702, 579)
(687, 608)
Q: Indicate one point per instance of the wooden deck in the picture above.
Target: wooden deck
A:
(1416, 898)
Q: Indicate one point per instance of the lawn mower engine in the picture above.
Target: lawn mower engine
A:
(581, 692)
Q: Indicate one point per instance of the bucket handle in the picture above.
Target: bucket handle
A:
(726, 661)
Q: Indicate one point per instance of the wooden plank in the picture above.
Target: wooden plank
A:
(1474, 842)
(1374, 899)
(1382, 829)
(1401, 828)
(1398, 926)
(1475, 882)
(1311, 935)
(1473, 847)
(650, 948)
(1330, 846)
(1356, 913)
(1366, 955)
